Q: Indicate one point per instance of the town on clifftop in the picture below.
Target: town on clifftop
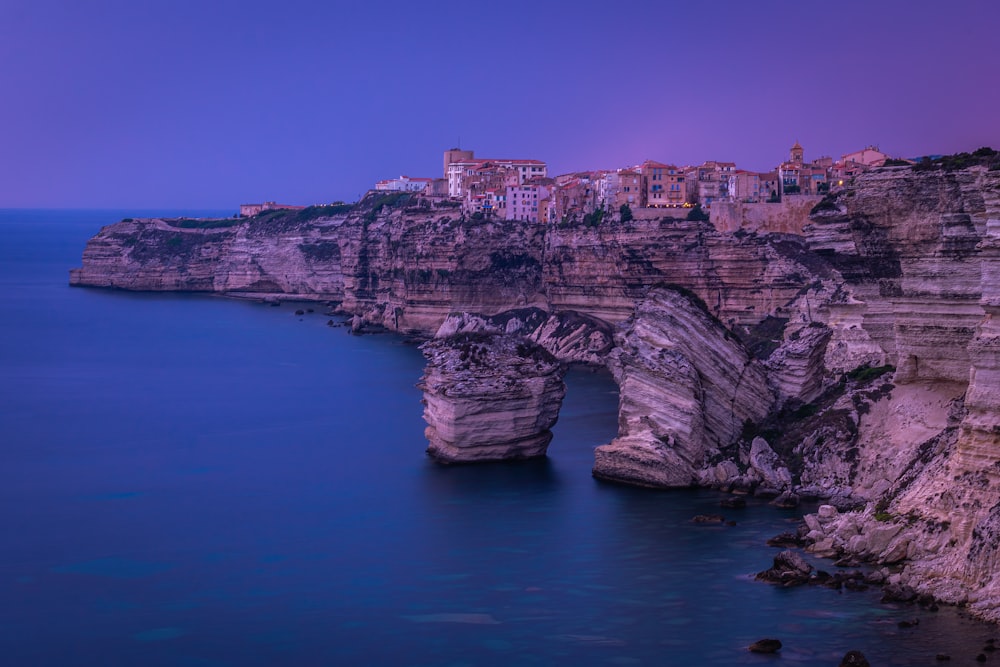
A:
(521, 189)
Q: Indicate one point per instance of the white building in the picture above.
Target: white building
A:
(403, 184)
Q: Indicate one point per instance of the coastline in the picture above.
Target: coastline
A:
(858, 327)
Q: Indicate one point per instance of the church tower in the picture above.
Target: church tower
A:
(796, 153)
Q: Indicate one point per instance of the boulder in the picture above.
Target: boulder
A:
(789, 568)
(768, 466)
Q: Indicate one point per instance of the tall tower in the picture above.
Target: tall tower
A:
(455, 155)
(796, 153)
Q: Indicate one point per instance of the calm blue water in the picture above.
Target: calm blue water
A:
(193, 481)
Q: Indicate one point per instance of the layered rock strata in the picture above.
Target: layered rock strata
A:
(571, 337)
(408, 265)
(687, 386)
(241, 257)
(489, 397)
(918, 252)
(875, 366)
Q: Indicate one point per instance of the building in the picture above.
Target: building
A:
(438, 187)
(709, 182)
(573, 196)
(624, 187)
(798, 177)
(869, 156)
(524, 201)
(662, 184)
(404, 184)
(250, 210)
(769, 188)
(468, 174)
(744, 186)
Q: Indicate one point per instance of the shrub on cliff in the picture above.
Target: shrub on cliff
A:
(594, 219)
(984, 157)
(625, 212)
(697, 214)
(202, 223)
(828, 203)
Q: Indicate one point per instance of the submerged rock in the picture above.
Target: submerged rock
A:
(489, 397)
(765, 646)
(854, 659)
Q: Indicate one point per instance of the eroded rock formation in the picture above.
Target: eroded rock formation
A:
(569, 336)
(687, 386)
(489, 397)
(859, 362)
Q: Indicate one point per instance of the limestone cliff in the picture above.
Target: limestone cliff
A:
(687, 385)
(489, 397)
(269, 256)
(409, 264)
(571, 337)
(858, 362)
(918, 252)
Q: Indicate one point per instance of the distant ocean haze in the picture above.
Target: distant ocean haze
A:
(192, 480)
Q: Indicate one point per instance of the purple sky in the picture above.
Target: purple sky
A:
(212, 103)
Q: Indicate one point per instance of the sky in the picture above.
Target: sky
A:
(213, 103)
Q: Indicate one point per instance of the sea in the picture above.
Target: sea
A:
(195, 481)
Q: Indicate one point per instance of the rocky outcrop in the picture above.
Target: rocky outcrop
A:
(571, 337)
(489, 397)
(859, 362)
(407, 263)
(918, 251)
(248, 257)
(687, 386)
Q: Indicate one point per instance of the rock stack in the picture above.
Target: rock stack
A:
(489, 397)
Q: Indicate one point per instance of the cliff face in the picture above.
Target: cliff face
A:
(862, 357)
(409, 268)
(569, 336)
(687, 386)
(273, 257)
(918, 252)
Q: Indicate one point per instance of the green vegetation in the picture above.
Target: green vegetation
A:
(804, 411)
(893, 162)
(594, 219)
(697, 214)
(883, 516)
(202, 223)
(828, 203)
(791, 189)
(379, 202)
(313, 212)
(764, 338)
(625, 211)
(864, 374)
(983, 157)
(774, 198)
